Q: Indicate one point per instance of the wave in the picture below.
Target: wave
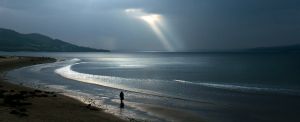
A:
(242, 87)
(75, 60)
(135, 85)
(126, 84)
(108, 81)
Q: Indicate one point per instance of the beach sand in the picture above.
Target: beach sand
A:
(19, 103)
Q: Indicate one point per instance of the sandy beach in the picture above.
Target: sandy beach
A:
(19, 103)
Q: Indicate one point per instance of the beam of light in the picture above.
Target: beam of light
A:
(155, 23)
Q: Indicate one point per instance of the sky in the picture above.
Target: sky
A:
(158, 25)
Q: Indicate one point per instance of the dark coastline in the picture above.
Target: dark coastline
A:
(42, 105)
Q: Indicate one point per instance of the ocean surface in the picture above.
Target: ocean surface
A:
(217, 87)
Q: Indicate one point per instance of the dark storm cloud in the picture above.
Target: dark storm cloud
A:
(235, 23)
(198, 24)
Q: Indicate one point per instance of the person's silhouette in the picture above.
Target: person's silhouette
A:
(122, 98)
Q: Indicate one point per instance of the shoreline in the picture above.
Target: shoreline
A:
(20, 103)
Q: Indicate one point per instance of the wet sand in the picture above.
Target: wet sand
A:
(19, 103)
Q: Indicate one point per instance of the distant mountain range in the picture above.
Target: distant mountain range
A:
(13, 41)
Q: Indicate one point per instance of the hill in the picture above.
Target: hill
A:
(13, 41)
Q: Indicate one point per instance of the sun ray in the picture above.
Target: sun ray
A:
(155, 22)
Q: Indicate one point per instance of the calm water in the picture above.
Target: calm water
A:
(209, 87)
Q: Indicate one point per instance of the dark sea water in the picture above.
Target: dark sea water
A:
(219, 87)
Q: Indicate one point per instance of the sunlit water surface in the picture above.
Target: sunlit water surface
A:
(175, 86)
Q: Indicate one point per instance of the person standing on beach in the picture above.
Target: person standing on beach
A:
(122, 98)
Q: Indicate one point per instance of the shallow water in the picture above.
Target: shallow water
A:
(161, 86)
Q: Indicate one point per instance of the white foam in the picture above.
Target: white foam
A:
(75, 60)
(240, 87)
(120, 83)
(108, 81)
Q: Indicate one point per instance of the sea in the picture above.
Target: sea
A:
(183, 87)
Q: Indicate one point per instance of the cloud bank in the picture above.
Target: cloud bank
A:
(186, 25)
